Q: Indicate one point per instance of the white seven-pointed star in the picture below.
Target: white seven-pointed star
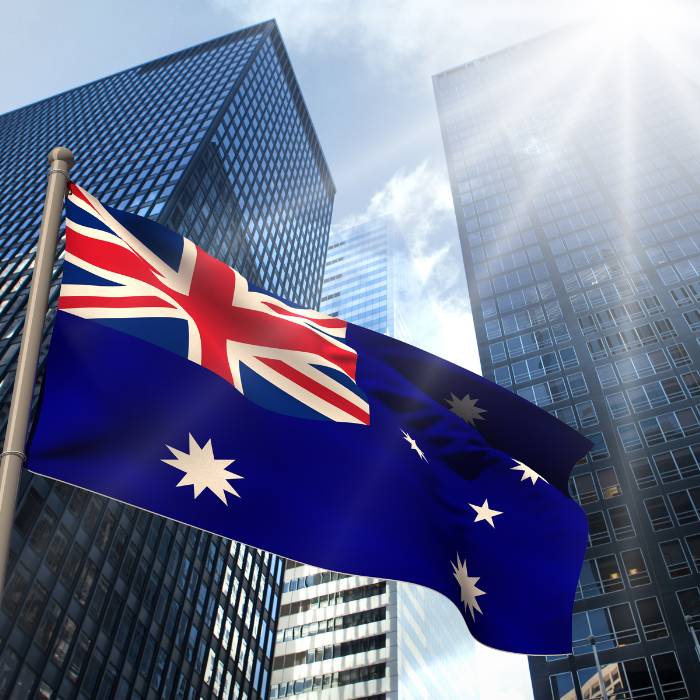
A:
(485, 513)
(466, 408)
(203, 470)
(467, 584)
(414, 445)
(527, 473)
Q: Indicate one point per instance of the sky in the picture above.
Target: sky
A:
(365, 72)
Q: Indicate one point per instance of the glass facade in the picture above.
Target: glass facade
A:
(355, 638)
(575, 174)
(214, 141)
(358, 283)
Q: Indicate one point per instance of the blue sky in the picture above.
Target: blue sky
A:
(365, 70)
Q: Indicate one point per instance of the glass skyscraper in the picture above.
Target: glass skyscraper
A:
(355, 638)
(214, 141)
(575, 174)
(358, 282)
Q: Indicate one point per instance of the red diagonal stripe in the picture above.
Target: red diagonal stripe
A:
(317, 389)
(329, 322)
(111, 257)
(257, 328)
(83, 302)
(77, 192)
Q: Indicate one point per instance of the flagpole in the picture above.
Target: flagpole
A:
(60, 162)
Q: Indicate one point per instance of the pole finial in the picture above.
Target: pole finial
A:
(61, 153)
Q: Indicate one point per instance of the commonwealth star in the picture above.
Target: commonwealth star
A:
(203, 470)
(467, 584)
(466, 408)
(527, 473)
(414, 445)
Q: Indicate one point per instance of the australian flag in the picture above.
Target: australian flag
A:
(174, 385)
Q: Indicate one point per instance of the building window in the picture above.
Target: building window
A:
(566, 415)
(665, 329)
(681, 463)
(609, 483)
(617, 405)
(670, 677)
(497, 352)
(562, 686)
(691, 380)
(600, 448)
(621, 522)
(586, 413)
(681, 296)
(679, 355)
(689, 601)
(501, 376)
(686, 505)
(598, 576)
(635, 568)
(63, 641)
(674, 558)
(643, 473)
(569, 358)
(693, 543)
(583, 488)
(658, 514)
(629, 436)
(653, 624)
(612, 626)
(669, 426)
(692, 318)
(597, 349)
(597, 528)
(606, 376)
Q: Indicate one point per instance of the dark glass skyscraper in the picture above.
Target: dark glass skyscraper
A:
(214, 141)
(575, 173)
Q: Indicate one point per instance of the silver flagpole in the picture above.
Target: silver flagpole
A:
(601, 678)
(60, 161)
(693, 634)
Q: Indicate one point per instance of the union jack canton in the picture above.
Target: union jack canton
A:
(158, 286)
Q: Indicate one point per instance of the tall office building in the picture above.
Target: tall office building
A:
(575, 171)
(355, 638)
(358, 281)
(214, 141)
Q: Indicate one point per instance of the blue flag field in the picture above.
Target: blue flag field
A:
(175, 386)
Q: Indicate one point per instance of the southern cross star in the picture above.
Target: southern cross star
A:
(485, 513)
(527, 473)
(203, 470)
(467, 585)
(466, 408)
(414, 445)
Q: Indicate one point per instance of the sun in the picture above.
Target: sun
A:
(650, 19)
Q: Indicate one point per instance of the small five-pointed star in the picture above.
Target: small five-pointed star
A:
(203, 470)
(527, 473)
(466, 408)
(485, 513)
(467, 584)
(414, 445)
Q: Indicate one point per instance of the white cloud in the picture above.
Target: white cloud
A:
(405, 34)
(506, 675)
(429, 36)
(431, 293)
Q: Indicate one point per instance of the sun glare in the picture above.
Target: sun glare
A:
(650, 19)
